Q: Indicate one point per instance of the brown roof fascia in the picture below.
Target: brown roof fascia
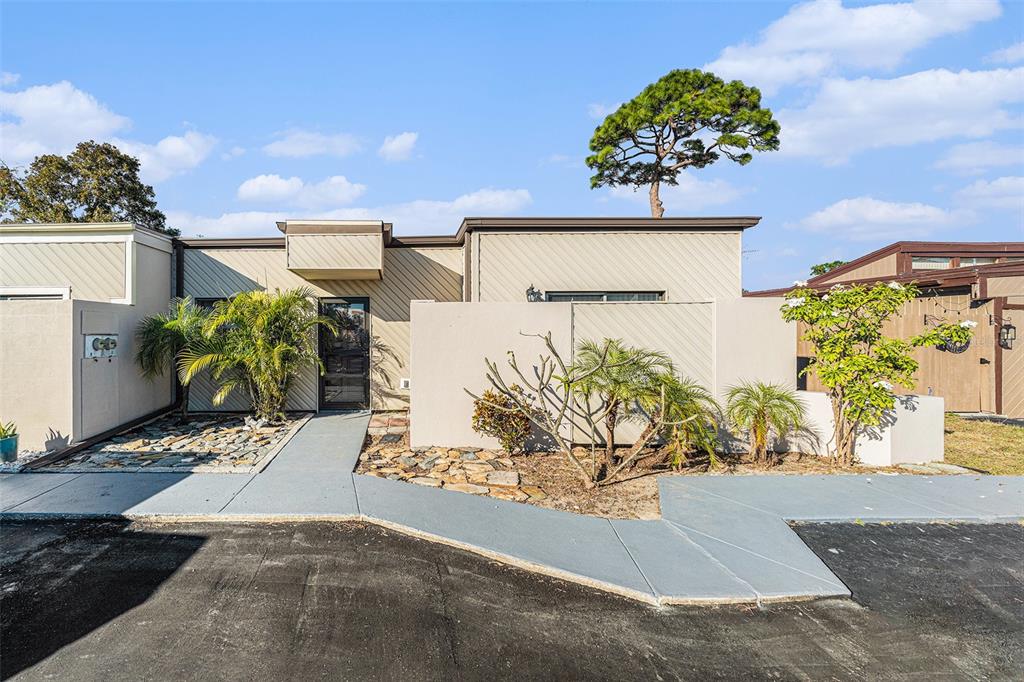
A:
(942, 279)
(946, 248)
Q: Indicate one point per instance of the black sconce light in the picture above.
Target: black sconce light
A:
(1007, 335)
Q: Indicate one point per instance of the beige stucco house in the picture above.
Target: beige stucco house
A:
(418, 315)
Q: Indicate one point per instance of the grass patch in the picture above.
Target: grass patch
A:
(985, 446)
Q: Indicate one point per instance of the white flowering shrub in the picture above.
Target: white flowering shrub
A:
(858, 365)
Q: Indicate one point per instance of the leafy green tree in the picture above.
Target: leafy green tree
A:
(687, 119)
(162, 339)
(856, 363)
(95, 183)
(259, 341)
(618, 376)
(763, 410)
(822, 268)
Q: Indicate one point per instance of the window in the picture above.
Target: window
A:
(931, 262)
(967, 262)
(207, 303)
(602, 296)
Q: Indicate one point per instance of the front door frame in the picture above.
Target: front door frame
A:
(322, 337)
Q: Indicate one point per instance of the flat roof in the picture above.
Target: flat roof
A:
(79, 228)
(484, 224)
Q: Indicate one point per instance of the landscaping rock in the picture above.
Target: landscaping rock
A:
(503, 478)
(467, 488)
(426, 480)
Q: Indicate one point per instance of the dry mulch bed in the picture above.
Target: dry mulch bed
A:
(548, 479)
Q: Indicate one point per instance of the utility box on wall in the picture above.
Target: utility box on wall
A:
(100, 345)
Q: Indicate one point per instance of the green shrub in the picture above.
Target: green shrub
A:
(7, 430)
(496, 415)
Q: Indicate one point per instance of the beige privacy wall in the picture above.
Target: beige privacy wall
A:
(408, 274)
(717, 344)
(687, 266)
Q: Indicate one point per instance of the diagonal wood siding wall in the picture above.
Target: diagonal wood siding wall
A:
(409, 274)
(93, 270)
(687, 266)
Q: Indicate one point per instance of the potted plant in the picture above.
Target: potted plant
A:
(8, 442)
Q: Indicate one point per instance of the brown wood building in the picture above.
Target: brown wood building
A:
(982, 282)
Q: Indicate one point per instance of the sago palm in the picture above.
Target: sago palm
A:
(763, 410)
(161, 339)
(619, 376)
(260, 341)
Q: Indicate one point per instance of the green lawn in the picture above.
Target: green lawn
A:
(985, 446)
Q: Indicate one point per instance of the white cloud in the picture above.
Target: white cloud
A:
(865, 218)
(815, 38)
(334, 191)
(233, 153)
(171, 156)
(299, 144)
(597, 110)
(52, 119)
(398, 147)
(1008, 55)
(413, 217)
(1006, 192)
(972, 158)
(849, 116)
(8, 78)
(689, 195)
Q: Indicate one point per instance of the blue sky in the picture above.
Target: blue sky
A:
(899, 120)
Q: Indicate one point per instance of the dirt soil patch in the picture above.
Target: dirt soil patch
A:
(198, 443)
(985, 446)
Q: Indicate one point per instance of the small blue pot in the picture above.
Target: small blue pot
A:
(9, 448)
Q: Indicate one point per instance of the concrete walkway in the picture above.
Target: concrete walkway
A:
(721, 539)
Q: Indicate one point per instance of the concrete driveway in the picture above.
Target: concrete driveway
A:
(103, 601)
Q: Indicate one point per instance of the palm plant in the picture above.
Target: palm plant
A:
(161, 339)
(259, 341)
(761, 410)
(691, 420)
(619, 376)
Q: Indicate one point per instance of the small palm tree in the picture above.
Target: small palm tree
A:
(259, 341)
(619, 376)
(691, 420)
(761, 410)
(162, 338)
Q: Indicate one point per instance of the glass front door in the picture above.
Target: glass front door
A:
(346, 355)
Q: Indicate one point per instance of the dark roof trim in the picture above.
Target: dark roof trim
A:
(539, 225)
(931, 279)
(241, 243)
(583, 224)
(924, 248)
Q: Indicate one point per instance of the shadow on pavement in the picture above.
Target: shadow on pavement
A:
(59, 584)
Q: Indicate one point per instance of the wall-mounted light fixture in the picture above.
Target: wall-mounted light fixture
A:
(534, 295)
(1007, 335)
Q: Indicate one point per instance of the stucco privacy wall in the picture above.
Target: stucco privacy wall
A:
(408, 274)
(450, 343)
(687, 266)
(36, 392)
(913, 433)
